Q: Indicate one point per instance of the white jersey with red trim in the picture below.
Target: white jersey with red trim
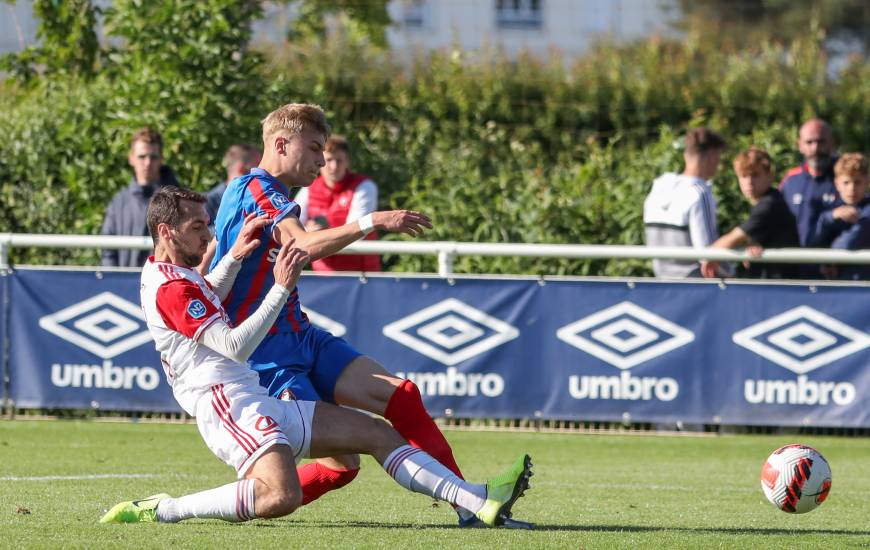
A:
(179, 305)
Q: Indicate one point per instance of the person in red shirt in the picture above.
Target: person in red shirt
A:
(337, 197)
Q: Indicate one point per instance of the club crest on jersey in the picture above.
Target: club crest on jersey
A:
(196, 309)
(279, 201)
(287, 395)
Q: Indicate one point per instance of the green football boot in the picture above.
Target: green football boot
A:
(135, 511)
(503, 490)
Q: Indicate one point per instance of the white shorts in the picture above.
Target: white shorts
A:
(239, 424)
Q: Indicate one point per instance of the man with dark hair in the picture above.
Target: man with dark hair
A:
(337, 197)
(126, 213)
(680, 210)
(262, 437)
(238, 161)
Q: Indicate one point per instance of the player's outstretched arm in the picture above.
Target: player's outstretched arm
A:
(323, 243)
(224, 273)
(239, 343)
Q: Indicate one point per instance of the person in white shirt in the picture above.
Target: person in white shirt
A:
(262, 437)
(680, 210)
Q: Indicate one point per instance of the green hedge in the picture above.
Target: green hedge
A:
(494, 150)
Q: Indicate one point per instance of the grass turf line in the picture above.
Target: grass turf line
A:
(589, 491)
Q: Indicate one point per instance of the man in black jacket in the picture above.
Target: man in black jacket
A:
(126, 212)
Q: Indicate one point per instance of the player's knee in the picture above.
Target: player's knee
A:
(279, 502)
(287, 501)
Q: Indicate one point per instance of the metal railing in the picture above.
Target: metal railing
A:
(448, 251)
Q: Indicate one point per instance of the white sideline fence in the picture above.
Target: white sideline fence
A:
(448, 251)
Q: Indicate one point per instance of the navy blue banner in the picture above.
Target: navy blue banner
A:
(78, 340)
(484, 347)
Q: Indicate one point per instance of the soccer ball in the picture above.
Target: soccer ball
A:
(796, 479)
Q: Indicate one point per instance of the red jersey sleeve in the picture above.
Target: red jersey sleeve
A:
(184, 308)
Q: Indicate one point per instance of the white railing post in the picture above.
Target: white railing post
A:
(445, 263)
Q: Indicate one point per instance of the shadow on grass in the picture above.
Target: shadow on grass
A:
(587, 528)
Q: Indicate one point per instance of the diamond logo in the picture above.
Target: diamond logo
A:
(801, 339)
(324, 322)
(450, 332)
(625, 335)
(105, 325)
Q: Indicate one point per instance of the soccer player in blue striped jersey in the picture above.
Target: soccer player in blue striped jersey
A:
(296, 359)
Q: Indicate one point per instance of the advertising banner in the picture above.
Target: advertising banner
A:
(78, 340)
(640, 351)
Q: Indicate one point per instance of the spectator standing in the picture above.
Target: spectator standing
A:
(809, 188)
(126, 214)
(770, 223)
(238, 161)
(338, 197)
(680, 210)
(847, 226)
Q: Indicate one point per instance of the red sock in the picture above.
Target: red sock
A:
(317, 480)
(409, 417)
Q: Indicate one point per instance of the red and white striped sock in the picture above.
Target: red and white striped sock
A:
(233, 502)
(417, 471)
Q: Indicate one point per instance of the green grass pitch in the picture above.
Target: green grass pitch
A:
(589, 491)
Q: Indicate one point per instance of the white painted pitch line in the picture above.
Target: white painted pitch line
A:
(77, 478)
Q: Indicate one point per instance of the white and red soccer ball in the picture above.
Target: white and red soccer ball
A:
(796, 479)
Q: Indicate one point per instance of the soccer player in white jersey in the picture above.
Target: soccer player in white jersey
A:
(261, 436)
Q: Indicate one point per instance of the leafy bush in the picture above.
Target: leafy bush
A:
(495, 150)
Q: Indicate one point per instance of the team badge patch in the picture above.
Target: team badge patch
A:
(279, 201)
(196, 309)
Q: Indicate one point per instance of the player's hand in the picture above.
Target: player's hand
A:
(755, 251)
(848, 214)
(408, 222)
(710, 270)
(247, 240)
(289, 264)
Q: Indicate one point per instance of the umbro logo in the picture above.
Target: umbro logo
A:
(450, 331)
(105, 325)
(802, 339)
(625, 335)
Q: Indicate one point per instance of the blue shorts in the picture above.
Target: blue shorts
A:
(307, 363)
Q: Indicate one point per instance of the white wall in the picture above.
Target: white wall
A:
(17, 26)
(570, 26)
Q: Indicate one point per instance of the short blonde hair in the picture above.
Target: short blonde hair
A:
(295, 118)
(851, 165)
(752, 161)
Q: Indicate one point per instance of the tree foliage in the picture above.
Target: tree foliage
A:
(365, 20)
(748, 22)
(505, 151)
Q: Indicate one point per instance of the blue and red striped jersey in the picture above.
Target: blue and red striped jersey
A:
(257, 191)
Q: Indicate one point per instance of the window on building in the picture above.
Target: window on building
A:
(413, 13)
(519, 14)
